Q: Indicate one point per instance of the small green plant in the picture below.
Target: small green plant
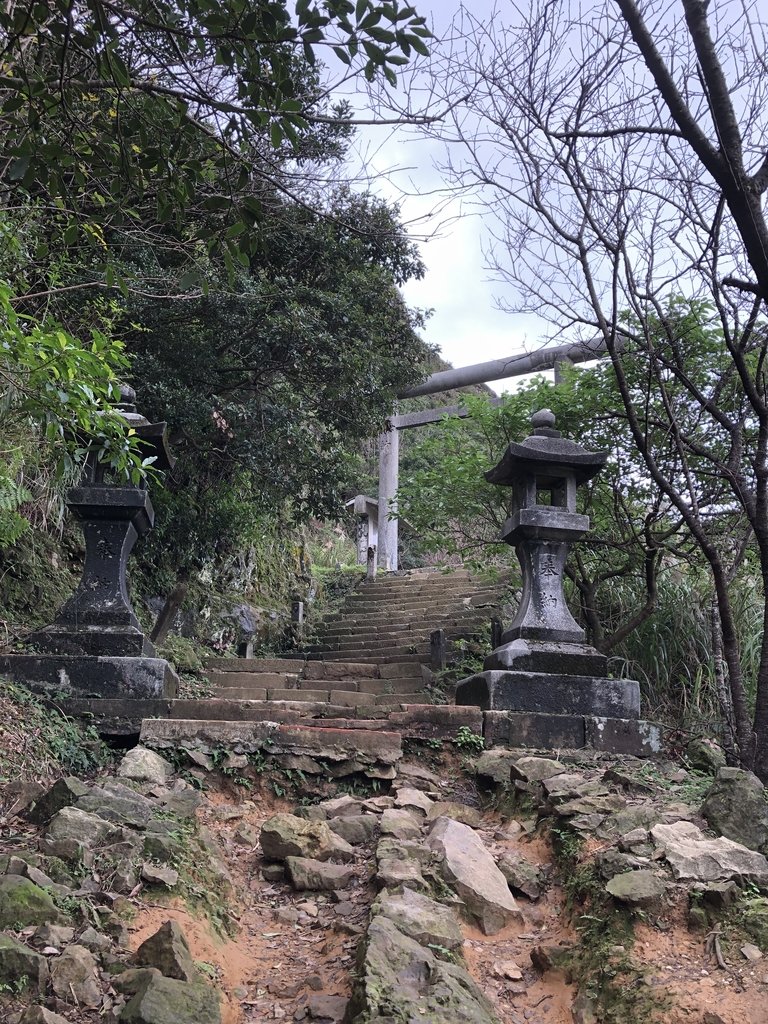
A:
(468, 741)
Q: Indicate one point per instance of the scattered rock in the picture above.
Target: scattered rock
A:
(307, 873)
(355, 830)
(273, 872)
(246, 836)
(423, 919)
(470, 870)
(736, 808)
(508, 969)
(63, 793)
(394, 872)
(327, 1009)
(705, 756)
(143, 765)
(459, 812)
(74, 977)
(401, 980)
(95, 941)
(614, 862)
(160, 1000)
(419, 776)
(52, 935)
(639, 888)
(719, 895)
(341, 806)
(521, 875)
(22, 903)
(536, 769)
(496, 765)
(550, 958)
(72, 831)
(117, 803)
(39, 1015)
(286, 835)
(751, 952)
(16, 962)
(400, 823)
(413, 800)
(692, 856)
(157, 874)
(168, 951)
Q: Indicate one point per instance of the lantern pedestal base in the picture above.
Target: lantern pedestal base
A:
(92, 676)
(548, 656)
(629, 736)
(551, 693)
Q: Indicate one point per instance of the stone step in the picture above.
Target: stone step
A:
(428, 621)
(245, 679)
(379, 659)
(282, 665)
(399, 698)
(410, 597)
(403, 684)
(392, 671)
(240, 692)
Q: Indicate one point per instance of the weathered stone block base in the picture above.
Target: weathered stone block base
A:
(337, 752)
(572, 732)
(82, 676)
(550, 693)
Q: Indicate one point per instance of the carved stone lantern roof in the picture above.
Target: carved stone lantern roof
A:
(543, 451)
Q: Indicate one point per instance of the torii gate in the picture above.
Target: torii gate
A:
(445, 380)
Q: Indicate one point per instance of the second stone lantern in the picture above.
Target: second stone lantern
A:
(552, 686)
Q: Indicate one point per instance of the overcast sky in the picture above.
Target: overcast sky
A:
(466, 323)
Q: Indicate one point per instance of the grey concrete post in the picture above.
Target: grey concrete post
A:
(389, 458)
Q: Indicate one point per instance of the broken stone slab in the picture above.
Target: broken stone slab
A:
(161, 875)
(286, 835)
(421, 918)
(87, 676)
(399, 979)
(736, 807)
(536, 769)
(459, 812)
(590, 805)
(413, 800)
(144, 765)
(40, 1015)
(316, 875)
(168, 951)
(17, 961)
(341, 806)
(614, 862)
(468, 867)
(638, 888)
(75, 978)
(691, 855)
(400, 823)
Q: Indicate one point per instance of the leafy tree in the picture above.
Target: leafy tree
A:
(136, 117)
(623, 150)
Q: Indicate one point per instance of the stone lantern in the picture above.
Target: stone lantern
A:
(548, 683)
(96, 646)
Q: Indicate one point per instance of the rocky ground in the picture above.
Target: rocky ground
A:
(498, 889)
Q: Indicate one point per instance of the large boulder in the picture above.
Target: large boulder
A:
(22, 903)
(118, 803)
(287, 835)
(521, 875)
(401, 980)
(355, 830)
(168, 951)
(421, 918)
(736, 807)
(470, 870)
(691, 855)
(72, 831)
(144, 765)
(74, 977)
(16, 962)
(159, 1000)
(495, 765)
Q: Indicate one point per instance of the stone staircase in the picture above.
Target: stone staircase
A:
(390, 620)
(343, 705)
